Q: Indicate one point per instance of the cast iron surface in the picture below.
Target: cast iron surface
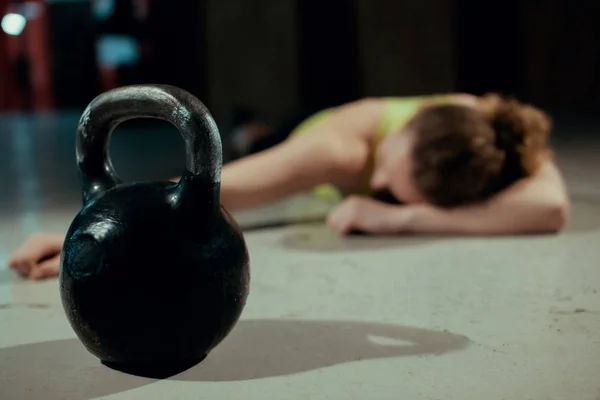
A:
(153, 275)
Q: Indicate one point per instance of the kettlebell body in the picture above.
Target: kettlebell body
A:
(153, 275)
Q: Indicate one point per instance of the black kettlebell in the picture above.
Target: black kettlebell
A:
(153, 275)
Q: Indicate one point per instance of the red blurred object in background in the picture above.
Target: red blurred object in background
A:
(8, 88)
(25, 59)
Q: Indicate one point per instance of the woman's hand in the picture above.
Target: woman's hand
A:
(38, 257)
(364, 214)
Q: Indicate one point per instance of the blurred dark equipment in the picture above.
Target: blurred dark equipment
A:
(72, 44)
(26, 70)
(121, 41)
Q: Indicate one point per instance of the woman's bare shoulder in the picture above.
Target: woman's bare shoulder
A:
(359, 118)
(465, 99)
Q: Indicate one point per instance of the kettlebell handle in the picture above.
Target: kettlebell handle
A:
(204, 154)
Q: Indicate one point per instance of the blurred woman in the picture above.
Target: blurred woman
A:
(453, 164)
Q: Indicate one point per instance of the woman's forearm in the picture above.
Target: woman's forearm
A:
(486, 220)
(536, 204)
(296, 165)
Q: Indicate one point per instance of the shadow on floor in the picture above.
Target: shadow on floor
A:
(267, 348)
(255, 349)
(319, 238)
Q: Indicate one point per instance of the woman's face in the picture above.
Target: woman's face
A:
(393, 167)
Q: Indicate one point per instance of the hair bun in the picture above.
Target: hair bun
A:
(517, 126)
(506, 139)
(521, 133)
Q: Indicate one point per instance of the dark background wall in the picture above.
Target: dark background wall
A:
(251, 56)
(406, 47)
(281, 56)
(490, 46)
(563, 53)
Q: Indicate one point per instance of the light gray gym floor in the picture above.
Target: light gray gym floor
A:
(327, 318)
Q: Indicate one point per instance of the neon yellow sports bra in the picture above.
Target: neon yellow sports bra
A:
(398, 112)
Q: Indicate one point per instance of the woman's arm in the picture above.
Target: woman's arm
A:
(334, 151)
(536, 204)
(296, 165)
